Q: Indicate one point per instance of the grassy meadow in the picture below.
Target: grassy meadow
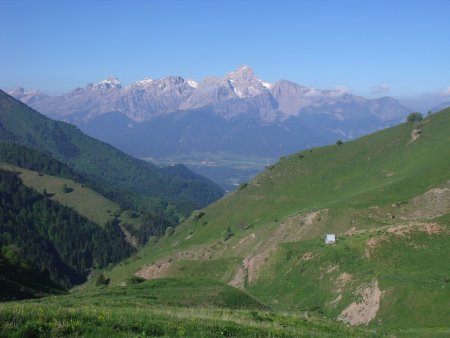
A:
(162, 308)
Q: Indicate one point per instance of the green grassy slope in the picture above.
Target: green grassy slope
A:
(100, 162)
(166, 307)
(82, 199)
(385, 180)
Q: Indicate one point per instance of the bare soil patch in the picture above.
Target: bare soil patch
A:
(332, 268)
(343, 279)
(154, 271)
(403, 230)
(371, 245)
(307, 256)
(130, 239)
(415, 133)
(362, 313)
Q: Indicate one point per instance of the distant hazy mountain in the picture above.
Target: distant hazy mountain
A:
(440, 106)
(238, 113)
(27, 97)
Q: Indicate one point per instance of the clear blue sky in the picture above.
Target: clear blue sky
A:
(58, 45)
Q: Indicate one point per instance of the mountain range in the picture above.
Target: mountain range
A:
(237, 113)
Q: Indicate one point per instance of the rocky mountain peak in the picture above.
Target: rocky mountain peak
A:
(244, 82)
(243, 72)
(142, 83)
(109, 83)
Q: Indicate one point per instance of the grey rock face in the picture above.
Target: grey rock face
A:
(237, 93)
(145, 99)
(235, 105)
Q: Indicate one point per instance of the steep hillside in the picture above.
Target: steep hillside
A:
(386, 195)
(92, 199)
(53, 238)
(100, 162)
(82, 199)
(19, 281)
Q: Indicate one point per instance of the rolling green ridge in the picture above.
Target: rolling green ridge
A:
(99, 162)
(386, 196)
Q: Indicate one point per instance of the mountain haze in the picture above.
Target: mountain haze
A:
(241, 104)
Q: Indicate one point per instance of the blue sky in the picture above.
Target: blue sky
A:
(398, 48)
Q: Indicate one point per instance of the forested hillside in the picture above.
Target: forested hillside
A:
(100, 162)
(53, 238)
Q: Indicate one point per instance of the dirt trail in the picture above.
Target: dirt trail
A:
(415, 135)
(365, 311)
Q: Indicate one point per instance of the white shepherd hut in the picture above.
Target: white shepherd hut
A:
(330, 238)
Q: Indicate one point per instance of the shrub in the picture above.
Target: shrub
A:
(414, 117)
(133, 280)
(198, 215)
(227, 234)
(67, 189)
(339, 142)
(101, 280)
(243, 186)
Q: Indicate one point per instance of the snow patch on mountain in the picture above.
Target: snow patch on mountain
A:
(192, 83)
(112, 82)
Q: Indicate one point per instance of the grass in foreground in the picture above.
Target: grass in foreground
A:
(164, 307)
(50, 318)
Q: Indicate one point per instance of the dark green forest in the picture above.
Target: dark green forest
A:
(41, 162)
(44, 163)
(52, 238)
